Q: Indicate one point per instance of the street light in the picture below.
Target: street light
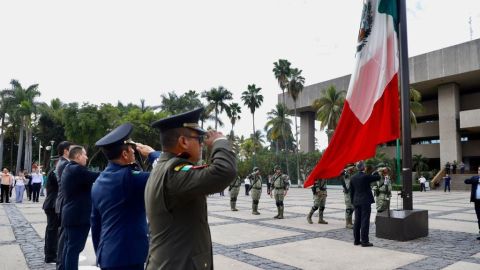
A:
(51, 153)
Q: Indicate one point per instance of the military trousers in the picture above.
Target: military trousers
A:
(279, 195)
(234, 193)
(382, 202)
(255, 194)
(348, 205)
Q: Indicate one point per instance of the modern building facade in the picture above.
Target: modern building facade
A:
(449, 127)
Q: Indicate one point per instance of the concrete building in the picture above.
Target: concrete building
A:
(449, 127)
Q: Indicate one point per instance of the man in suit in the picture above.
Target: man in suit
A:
(362, 199)
(51, 231)
(176, 191)
(63, 151)
(475, 195)
(118, 220)
(77, 183)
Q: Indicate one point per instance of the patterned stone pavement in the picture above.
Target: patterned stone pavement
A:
(245, 241)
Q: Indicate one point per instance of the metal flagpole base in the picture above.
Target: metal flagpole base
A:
(402, 225)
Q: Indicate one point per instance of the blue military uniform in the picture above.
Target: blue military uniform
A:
(118, 220)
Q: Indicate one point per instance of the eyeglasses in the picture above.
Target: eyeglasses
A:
(200, 138)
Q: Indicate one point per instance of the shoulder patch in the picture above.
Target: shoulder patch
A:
(182, 167)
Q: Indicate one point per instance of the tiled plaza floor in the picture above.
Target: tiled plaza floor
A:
(245, 241)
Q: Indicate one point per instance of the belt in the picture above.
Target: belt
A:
(279, 188)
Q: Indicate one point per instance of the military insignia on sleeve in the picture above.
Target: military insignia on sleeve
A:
(183, 167)
(135, 172)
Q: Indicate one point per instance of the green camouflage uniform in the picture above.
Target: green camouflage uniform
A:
(234, 190)
(255, 191)
(383, 191)
(280, 185)
(319, 190)
(348, 201)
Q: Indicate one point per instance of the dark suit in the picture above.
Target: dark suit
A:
(119, 222)
(51, 231)
(176, 205)
(362, 198)
(76, 186)
(473, 195)
(62, 162)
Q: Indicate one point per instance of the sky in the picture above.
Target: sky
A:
(115, 50)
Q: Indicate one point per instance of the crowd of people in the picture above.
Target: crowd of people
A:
(31, 183)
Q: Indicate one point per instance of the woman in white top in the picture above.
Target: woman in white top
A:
(20, 182)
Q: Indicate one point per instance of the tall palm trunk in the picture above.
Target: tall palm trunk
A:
(254, 142)
(283, 135)
(28, 148)
(299, 178)
(18, 165)
(2, 137)
(216, 118)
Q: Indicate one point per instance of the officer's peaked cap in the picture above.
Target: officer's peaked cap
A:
(118, 136)
(187, 119)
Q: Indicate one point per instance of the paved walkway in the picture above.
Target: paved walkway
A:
(245, 241)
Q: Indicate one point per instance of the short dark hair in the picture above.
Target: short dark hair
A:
(114, 152)
(169, 138)
(62, 146)
(74, 151)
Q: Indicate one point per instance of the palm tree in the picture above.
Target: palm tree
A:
(252, 99)
(329, 108)
(420, 163)
(295, 87)
(6, 107)
(277, 126)
(27, 106)
(217, 97)
(233, 112)
(281, 70)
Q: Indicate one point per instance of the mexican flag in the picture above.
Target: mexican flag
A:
(371, 113)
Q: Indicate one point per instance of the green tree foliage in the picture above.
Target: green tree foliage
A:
(233, 112)
(329, 108)
(217, 97)
(173, 104)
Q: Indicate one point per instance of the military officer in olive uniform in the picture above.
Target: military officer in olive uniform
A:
(346, 176)
(256, 189)
(383, 189)
(234, 190)
(319, 190)
(177, 189)
(280, 185)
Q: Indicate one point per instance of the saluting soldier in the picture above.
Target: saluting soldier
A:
(177, 189)
(319, 190)
(118, 205)
(383, 189)
(256, 189)
(234, 190)
(346, 177)
(280, 185)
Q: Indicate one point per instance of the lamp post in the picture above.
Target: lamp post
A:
(39, 153)
(51, 153)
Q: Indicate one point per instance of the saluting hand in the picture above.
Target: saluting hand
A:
(144, 149)
(212, 135)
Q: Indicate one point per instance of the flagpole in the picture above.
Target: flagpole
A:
(405, 109)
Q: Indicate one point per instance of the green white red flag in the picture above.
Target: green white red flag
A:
(371, 113)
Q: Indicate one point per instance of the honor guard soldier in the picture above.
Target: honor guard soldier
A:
(256, 189)
(119, 226)
(280, 185)
(346, 176)
(177, 189)
(319, 190)
(234, 189)
(383, 189)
